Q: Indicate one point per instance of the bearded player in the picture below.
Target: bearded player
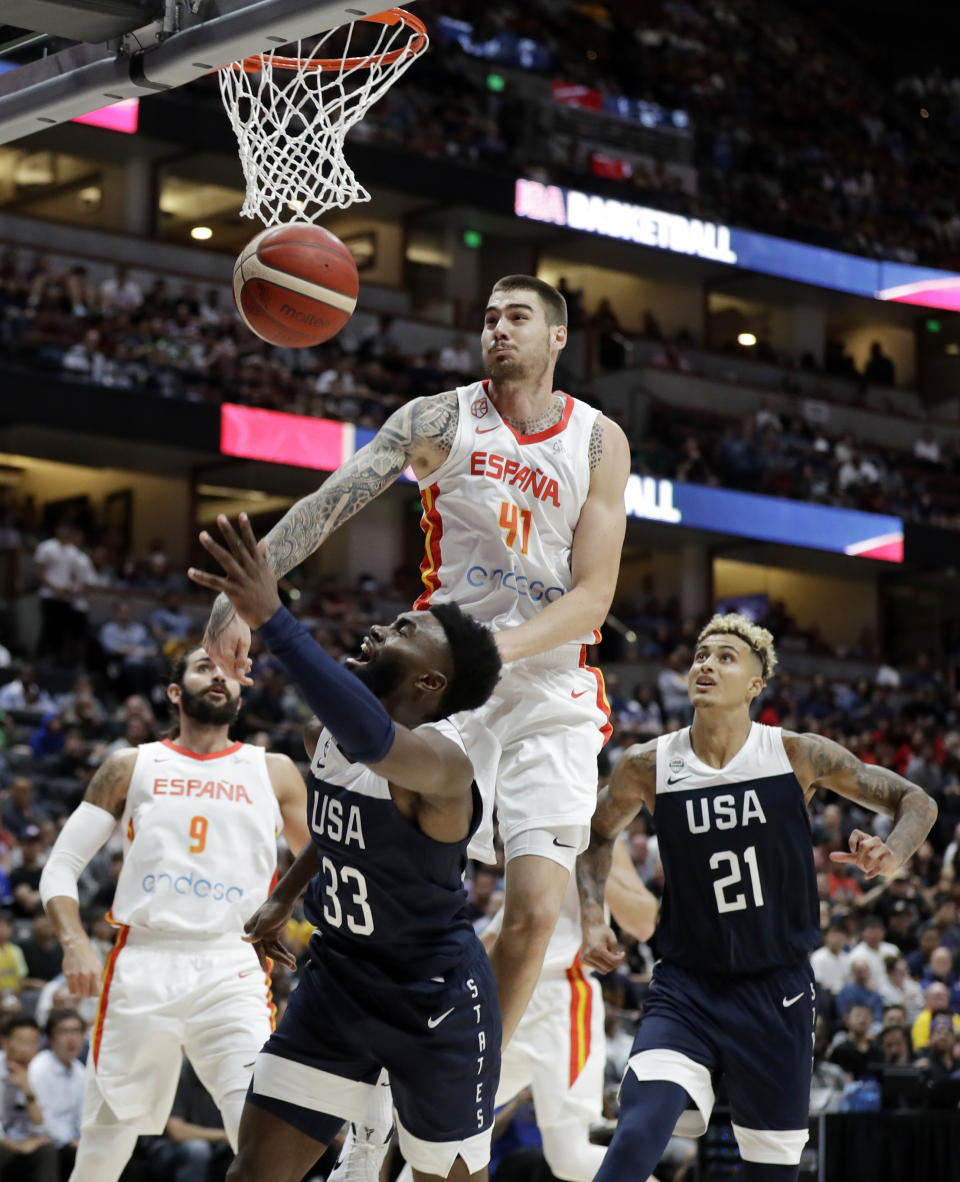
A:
(200, 816)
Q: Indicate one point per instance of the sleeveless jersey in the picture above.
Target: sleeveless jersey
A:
(387, 897)
(199, 840)
(500, 511)
(740, 891)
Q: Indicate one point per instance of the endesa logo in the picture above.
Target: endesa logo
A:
(188, 884)
(514, 581)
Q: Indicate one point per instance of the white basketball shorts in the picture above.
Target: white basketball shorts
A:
(164, 995)
(559, 1050)
(534, 747)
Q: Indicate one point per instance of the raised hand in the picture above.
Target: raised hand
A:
(248, 581)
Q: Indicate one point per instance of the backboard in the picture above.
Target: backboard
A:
(182, 40)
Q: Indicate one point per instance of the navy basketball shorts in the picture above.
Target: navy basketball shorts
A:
(439, 1039)
(756, 1031)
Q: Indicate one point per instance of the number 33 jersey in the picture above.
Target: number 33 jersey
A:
(386, 896)
(740, 893)
(199, 839)
(500, 511)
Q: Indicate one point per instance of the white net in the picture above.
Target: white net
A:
(291, 114)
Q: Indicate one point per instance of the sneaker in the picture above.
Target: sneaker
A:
(361, 1159)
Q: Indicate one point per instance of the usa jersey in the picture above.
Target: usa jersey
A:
(500, 511)
(386, 893)
(740, 891)
(199, 839)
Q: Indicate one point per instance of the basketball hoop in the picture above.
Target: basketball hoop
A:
(291, 115)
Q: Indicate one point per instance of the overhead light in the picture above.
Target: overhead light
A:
(747, 339)
(201, 233)
(952, 350)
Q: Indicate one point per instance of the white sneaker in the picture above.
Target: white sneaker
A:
(361, 1159)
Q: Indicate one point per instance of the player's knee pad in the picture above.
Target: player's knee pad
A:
(648, 1113)
(569, 1153)
(103, 1152)
(231, 1109)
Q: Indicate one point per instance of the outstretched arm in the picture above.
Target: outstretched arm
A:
(419, 433)
(632, 785)
(421, 761)
(821, 763)
(594, 557)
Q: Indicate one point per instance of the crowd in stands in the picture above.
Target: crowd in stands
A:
(850, 166)
(171, 341)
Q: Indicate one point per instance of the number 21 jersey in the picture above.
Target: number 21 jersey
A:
(740, 892)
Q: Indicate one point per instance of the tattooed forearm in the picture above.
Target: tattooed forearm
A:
(222, 615)
(593, 870)
(108, 788)
(821, 763)
(426, 426)
(595, 447)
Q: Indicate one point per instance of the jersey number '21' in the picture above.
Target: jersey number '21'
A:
(727, 859)
(359, 916)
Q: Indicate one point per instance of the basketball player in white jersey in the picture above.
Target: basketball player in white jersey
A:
(200, 816)
(523, 496)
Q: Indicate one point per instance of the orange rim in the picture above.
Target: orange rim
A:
(392, 16)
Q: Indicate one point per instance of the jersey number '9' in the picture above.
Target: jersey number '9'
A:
(739, 901)
(332, 909)
(198, 834)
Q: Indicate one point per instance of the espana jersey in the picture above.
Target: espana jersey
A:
(500, 511)
(199, 839)
(386, 894)
(740, 893)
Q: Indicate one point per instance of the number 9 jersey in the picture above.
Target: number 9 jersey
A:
(199, 840)
(740, 891)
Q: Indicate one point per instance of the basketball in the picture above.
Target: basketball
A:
(295, 285)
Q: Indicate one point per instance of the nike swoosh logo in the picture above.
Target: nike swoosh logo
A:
(677, 779)
(431, 1022)
(575, 694)
(792, 1000)
(487, 430)
(249, 972)
(562, 844)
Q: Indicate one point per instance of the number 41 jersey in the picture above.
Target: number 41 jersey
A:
(740, 892)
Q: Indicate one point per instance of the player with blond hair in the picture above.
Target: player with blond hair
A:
(733, 992)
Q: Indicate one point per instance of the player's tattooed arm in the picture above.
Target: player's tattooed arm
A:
(821, 763)
(632, 785)
(111, 781)
(421, 433)
(595, 446)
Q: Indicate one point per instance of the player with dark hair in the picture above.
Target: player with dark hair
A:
(199, 817)
(396, 977)
(522, 488)
(733, 992)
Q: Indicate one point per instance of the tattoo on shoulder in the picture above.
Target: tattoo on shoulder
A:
(108, 788)
(595, 448)
(431, 421)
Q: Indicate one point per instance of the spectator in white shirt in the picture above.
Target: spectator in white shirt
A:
(900, 989)
(456, 357)
(56, 1078)
(927, 449)
(857, 472)
(830, 962)
(874, 950)
(62, 574)
(121, 293)
(672, 684)
(25, 1149)
(642, 713)
(25, 693)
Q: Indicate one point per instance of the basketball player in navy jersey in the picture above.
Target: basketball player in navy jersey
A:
(396, 977)
(733, 992)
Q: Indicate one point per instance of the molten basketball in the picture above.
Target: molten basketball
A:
(295, 285)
